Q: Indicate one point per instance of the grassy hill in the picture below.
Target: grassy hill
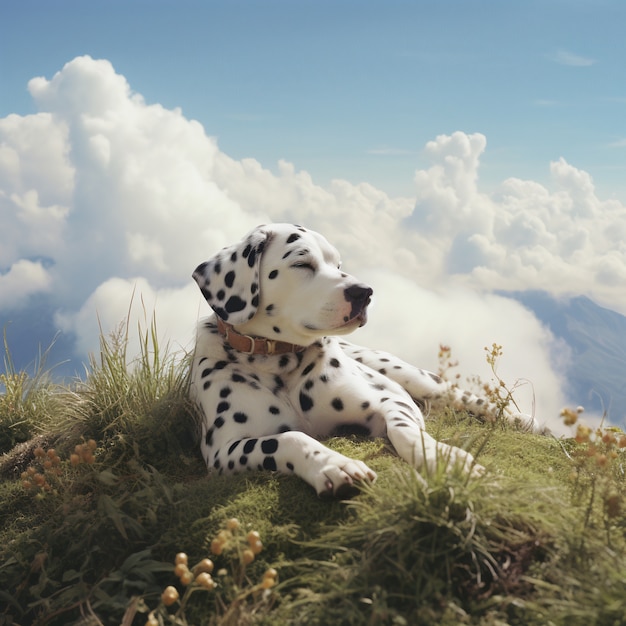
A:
(102, 486)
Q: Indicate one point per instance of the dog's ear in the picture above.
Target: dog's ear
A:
(230, 280)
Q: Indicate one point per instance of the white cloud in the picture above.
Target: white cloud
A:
(564, 57)
(23, 279)
(120, 196)
(136, 304)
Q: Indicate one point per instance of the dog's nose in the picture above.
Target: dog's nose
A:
(358, 294)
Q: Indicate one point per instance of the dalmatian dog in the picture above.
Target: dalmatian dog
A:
(271, 376)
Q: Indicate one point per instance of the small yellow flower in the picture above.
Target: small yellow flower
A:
(180, 569)
(253, 536)
(582, 433)
(206, 565)
(169, 596)
(217, 547)
(205, 580)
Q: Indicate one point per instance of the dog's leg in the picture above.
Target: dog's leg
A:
(429, 389)
(418, 448)
(294, 452)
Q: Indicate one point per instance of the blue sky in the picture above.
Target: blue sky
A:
(355, 88)
(451, 150)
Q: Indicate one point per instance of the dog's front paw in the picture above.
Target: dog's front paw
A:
(458, 459)
(339, 479)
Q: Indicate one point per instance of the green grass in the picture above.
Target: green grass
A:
(541, 539)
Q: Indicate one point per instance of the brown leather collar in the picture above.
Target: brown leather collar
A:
(254, 345)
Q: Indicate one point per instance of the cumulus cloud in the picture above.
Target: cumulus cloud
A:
(134, 305)
(103, 196)
(23, 279)
(564, 240)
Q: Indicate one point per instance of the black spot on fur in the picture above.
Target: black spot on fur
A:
(334, 363)
(274, 410)
(206, 385)
(252, 258)
(337, 404)
(269, 463)
(290, 466)
(272, 275)
(436, 378)
(229, 279)
(248, 447)
(404, 405)
(233, 446)
(220, 365)
(243, 460)
(306, 402)
(365, 405)
(238, 378)
(284, 360)
(293, 238)
(308, 368)
(225, 392)
(276, 330)
(222, 406)
(240, 418)
(269, 446)
(234, 304)
(283, 428)
(219, 422)
(208, 439)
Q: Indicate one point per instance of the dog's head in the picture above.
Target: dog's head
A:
(283, 282)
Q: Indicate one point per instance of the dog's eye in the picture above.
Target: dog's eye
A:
(304, 265)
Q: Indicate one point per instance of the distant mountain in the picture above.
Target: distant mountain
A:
(597, 337)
